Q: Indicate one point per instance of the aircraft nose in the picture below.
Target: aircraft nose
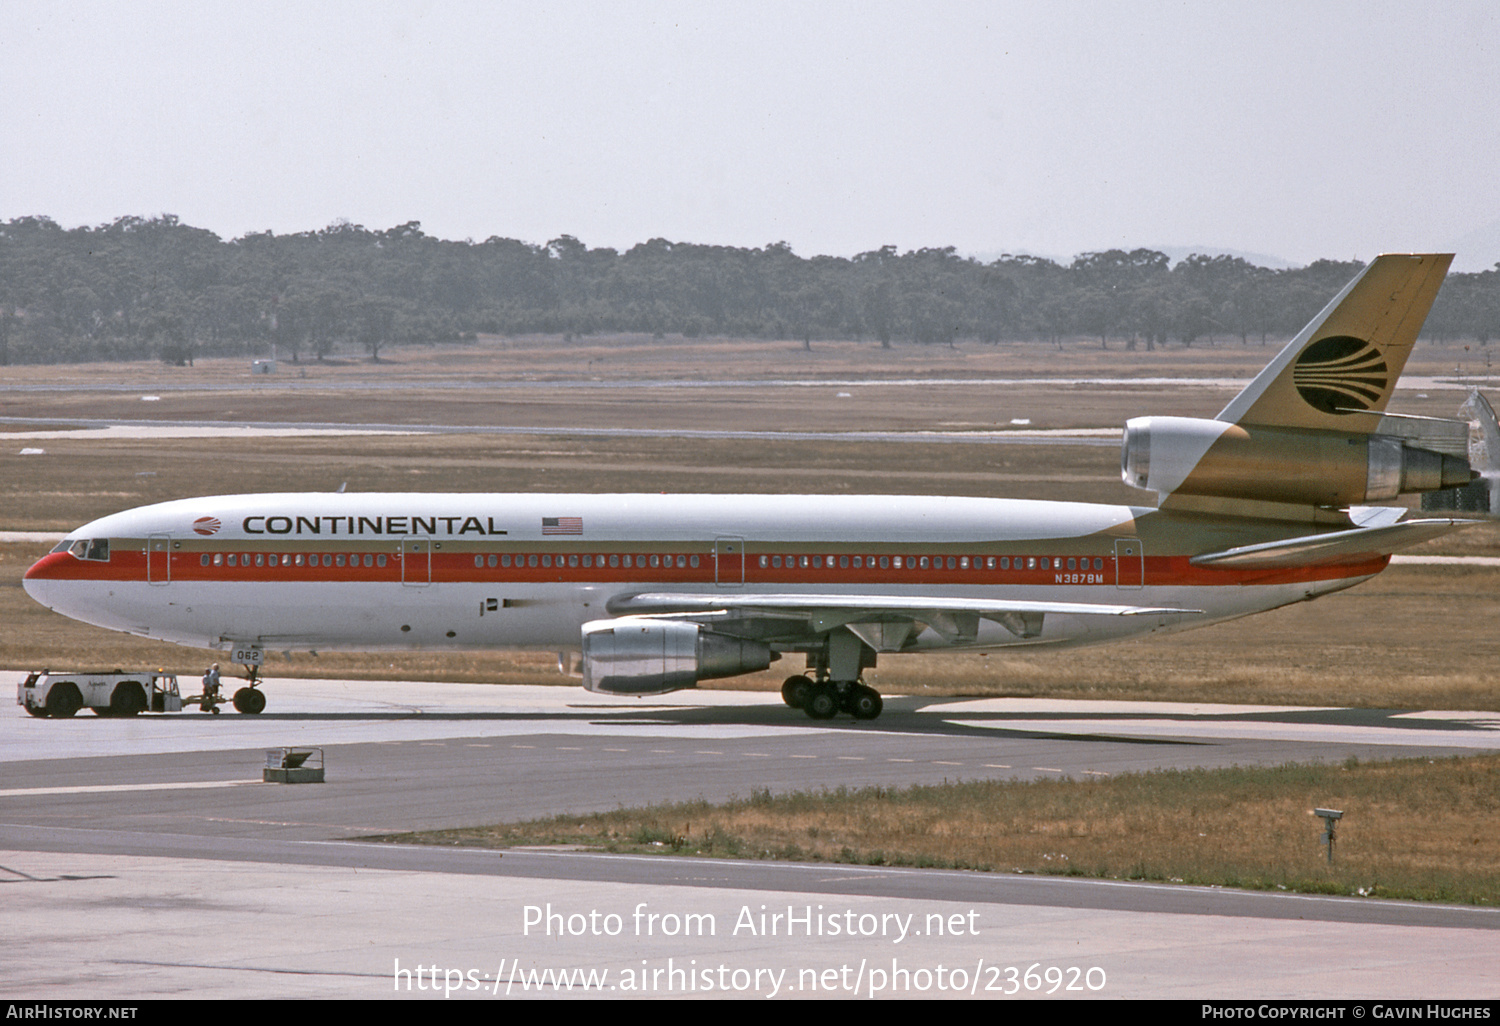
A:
(40, 581)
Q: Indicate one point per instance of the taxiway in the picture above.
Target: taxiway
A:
(144, 858)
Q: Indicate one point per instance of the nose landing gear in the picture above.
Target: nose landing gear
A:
(250, 699)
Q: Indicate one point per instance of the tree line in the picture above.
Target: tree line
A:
(154, 288)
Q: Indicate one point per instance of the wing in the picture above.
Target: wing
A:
(884, 622)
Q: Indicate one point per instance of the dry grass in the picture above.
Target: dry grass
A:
(1419, 829)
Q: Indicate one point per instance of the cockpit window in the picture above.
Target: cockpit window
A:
(63, 545)
(88, 548)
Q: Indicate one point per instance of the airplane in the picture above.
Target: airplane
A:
(1265, 505)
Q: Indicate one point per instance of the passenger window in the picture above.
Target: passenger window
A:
(203, 559)
(379, 560)
(573, 561)
(614, 560)
(1004, 562)
(369, 560)
(693, 561)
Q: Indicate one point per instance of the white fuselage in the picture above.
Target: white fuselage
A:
(469, 571)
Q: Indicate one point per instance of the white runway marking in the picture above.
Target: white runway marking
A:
(184, 785)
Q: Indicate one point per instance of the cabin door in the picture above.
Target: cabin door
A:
(416, 562)
(1130, 563)
(729, 562)
(159, 559)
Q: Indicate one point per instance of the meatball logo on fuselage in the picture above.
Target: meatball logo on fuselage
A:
(1341, 374)
(206, 525)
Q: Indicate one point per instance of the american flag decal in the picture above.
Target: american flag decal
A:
(562, 525)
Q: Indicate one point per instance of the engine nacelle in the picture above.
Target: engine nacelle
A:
(1299, 465)
(642, 656)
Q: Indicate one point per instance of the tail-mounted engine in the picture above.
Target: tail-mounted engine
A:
(1294, 465)
(642, 656)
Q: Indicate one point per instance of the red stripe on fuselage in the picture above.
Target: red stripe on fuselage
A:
(1159, 571)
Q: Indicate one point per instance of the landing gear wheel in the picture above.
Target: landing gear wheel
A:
(865, 703)
(64, 700)
(249, 701)
(822, 702)
(794, 691)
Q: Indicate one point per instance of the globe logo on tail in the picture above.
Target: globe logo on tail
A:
(1341, 374)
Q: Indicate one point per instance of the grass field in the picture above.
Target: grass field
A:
(1415, 829)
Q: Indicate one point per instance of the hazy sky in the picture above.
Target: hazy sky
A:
(1298, 130)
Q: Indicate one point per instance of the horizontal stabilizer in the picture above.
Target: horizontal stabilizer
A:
(1354, 546)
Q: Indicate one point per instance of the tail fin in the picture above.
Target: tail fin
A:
(1347, 360)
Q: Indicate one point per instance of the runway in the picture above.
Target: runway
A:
(143, 858)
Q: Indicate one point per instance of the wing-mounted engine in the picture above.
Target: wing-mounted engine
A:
(644, 656)
(1305, 466)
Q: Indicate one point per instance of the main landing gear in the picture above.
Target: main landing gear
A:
(825, 699)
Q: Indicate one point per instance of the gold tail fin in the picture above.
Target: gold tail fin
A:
(1346, 361)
